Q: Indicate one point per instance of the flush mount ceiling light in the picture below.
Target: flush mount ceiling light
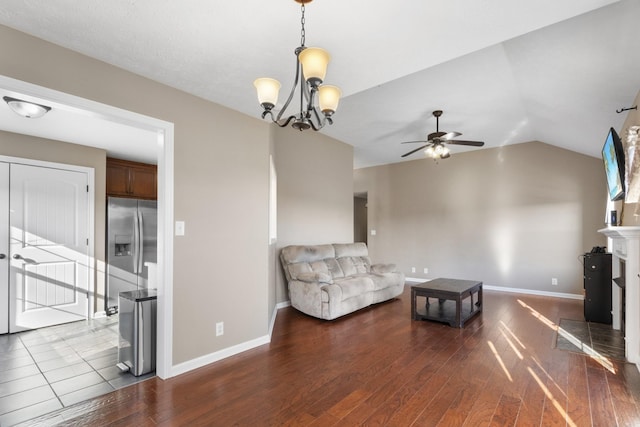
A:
(312, 63)
(27, 109)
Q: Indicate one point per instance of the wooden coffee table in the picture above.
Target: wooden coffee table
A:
(455, 301)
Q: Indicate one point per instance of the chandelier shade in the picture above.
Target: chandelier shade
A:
(267, 91)
(328, 98)
(318, 102)
(314, 61)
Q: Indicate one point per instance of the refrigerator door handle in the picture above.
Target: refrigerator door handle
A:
(140, 241)
(140, 355)
(136, 242)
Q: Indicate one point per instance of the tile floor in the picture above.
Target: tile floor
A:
(51, 368)
(590, 338)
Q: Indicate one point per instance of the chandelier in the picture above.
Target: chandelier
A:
(318, 101)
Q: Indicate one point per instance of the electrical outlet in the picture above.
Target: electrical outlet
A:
(554, 281)
(426, 270)
(219, 329)
(413, 269)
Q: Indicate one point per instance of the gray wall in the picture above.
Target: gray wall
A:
(225, 267)
(514, 216)
(315, 192)
(221, 168)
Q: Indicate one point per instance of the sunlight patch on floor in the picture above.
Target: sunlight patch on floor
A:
(599, 358)
(539, 316)
(549, 377)
(505, 327)
(552, 399)
(588, 350)
(499, 359)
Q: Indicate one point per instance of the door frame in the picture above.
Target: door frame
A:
(90, 212)
(165, 135)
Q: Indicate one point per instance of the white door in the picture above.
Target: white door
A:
(49, 251)
(4, 248)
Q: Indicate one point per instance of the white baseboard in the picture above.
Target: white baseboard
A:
(231, 351)
(201, 361)
(512, 290)
(283, 305)
(275, 313)
(533, 292)
(99, 314)
(416, 280)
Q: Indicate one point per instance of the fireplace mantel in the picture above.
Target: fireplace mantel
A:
(624, 244)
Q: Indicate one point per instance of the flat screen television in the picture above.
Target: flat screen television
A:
(613, 156)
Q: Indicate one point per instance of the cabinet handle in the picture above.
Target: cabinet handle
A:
(2, 256)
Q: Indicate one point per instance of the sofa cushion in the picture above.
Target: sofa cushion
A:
(295, 254)
(315, 277)
(298, 260)
(383, 268)
(351, 265)
(353, 258)
(350, 249)
(386, 280)
(333, 268)
(352, 286)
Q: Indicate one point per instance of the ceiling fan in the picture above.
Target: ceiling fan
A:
(436, 142)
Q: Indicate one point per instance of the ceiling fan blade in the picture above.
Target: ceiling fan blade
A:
(461, 142)
(450, 135)
(413, 151)
(411, 142)
(434, 135)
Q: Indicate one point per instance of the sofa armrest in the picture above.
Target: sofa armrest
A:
(314, 277)
(383, 268)
(306, 297)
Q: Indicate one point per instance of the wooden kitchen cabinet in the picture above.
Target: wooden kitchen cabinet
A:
(131, 179)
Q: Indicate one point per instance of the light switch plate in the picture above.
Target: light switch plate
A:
(179, 228)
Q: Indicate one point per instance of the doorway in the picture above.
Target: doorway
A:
(164, 132)
(45, 244)
(360, 225)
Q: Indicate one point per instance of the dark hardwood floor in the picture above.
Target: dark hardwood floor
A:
(378, 367)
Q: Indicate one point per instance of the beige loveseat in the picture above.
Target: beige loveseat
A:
(329, 281)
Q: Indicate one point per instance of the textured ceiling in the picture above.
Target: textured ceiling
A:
(503, 72)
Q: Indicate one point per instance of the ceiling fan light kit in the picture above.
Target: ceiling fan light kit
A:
(27, 109)
(436, 142)
(318, 102)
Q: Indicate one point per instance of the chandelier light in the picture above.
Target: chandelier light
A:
(318, 102)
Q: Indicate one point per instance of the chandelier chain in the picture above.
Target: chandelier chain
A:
(302, 32)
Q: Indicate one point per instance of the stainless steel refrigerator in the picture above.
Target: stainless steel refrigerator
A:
(132, 228)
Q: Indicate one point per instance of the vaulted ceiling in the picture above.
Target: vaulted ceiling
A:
(504, 72)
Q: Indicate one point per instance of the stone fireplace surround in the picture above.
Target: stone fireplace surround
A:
(624, 244)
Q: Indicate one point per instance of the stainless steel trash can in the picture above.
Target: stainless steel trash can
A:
(137, 324)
